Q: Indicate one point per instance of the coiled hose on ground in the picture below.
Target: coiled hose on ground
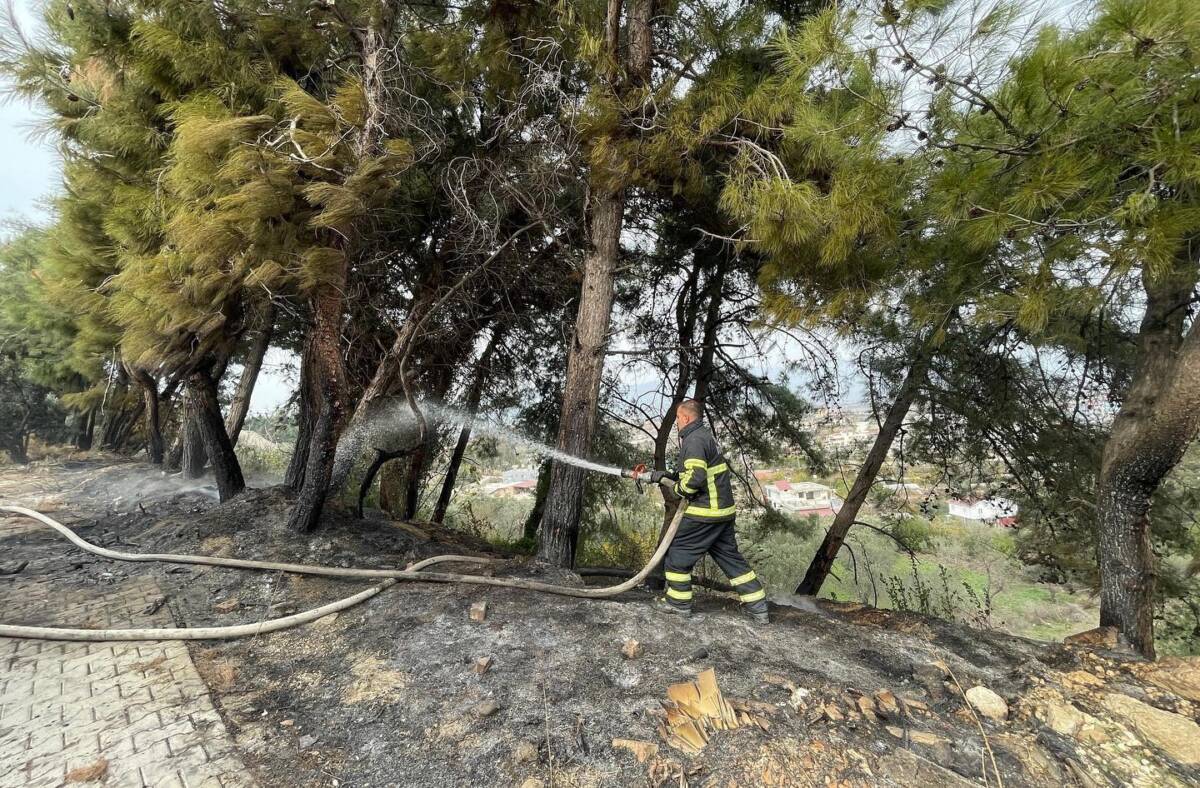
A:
(390, 577)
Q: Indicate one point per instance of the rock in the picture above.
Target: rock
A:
(833, 713)
(866, 707)
(478, 611)
(486, 709)
(886, 704)
(306, 742)
(482, 665)
(288, 723)
(525, 752)
(1062, 718)
(796, 701)
(1083, 678)
(988, 703)
(932, 679)
(698, 654)
(227, 606)
(912, 705)
(1180, 675)
(1177, 736)
(533, 782)
(632, 649)
(1100, 637)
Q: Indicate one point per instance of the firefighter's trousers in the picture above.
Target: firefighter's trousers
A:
(694, 539)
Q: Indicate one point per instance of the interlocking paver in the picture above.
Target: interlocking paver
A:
(141, 706)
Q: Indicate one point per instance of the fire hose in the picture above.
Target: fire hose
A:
(390, 577)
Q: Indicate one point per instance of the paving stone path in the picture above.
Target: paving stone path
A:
(126, 714)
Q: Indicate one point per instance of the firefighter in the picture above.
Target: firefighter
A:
(708, 523)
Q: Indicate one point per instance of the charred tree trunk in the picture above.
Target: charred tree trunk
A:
(1158, 419)
(226, 470)
(154, 438)
(193, 452)
(294, 477)
(530, 530)
(323, 349)
(474, 395)
(327, 400)
(86, 430)
(559, 532)
(239, 406)
(822, 562)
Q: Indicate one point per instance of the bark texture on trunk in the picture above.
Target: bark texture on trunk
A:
(1158, 419)
(193, 452)
(559, 533)
(323, 349)
(827, 553)
(226, 469)
(323, 355)
(155, 447)
(530, 531)
(294, 477)
(239, 406)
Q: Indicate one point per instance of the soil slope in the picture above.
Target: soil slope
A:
(408, 689)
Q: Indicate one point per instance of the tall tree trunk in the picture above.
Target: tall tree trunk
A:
(226, 470)
(1158, 419)
(328, 409)
(474, 395)
(239, 406)
(559, 534)
(822, 562)
(323, 345)
(120, 423)
(86, 430)
(530, 531)
(154, 437)
(193, 452)
(294, 477)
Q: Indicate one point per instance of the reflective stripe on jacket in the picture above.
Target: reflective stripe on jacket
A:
(704, 479)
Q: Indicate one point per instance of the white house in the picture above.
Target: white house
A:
(997, 511)
(802, 498)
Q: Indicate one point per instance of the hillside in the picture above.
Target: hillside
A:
(408, 689)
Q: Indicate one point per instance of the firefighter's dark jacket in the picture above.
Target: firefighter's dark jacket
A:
(704, 479)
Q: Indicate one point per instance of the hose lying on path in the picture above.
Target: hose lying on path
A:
(413, 572)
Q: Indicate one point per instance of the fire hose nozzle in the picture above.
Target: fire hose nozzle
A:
(636, 472)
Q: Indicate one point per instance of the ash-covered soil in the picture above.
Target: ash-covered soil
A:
(393, 692)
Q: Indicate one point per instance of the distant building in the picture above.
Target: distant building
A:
(802, 498)
(996, 511)
(522, 489)
(514, 475)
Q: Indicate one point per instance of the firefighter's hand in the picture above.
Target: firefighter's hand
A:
(657, 476)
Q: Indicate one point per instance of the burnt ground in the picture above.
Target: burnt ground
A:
(386, 693)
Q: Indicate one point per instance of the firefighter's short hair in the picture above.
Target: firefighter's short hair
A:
(692, 408)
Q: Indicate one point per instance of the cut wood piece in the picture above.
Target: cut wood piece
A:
(694, 709)
(642, 750)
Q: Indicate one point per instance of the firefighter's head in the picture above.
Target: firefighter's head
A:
(688, 411)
